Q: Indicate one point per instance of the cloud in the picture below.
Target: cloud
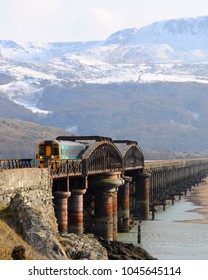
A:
(55, 20)
(95, 24)
(27, 19)
(101, 15)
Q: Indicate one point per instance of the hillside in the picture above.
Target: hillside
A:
(160, 116)
(19, 139)
(164, 155)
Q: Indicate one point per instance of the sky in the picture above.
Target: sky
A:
(86, 20)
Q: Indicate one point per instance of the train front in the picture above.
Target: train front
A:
(57, 150)
(47, 150)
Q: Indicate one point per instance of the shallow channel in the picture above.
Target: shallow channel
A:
(168, 237)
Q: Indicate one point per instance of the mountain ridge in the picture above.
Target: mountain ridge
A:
(162, 32)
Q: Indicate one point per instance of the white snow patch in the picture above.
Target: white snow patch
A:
(151, 77)
(20, 71)
(32, 108)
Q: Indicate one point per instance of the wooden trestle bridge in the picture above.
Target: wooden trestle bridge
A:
(112, 184)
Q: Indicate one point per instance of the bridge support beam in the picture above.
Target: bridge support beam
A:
(124, 206)
(142, 188)
(75, 211)
(115, 214)
(106, 219)
(61, 210)
(104, 213)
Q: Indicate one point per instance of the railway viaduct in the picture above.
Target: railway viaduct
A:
(102, 192)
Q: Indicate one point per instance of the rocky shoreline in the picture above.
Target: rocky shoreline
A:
(125, 251)
(40, 233)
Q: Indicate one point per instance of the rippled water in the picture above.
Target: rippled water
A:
(167, 239)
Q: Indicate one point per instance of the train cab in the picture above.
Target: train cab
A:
(58, 149)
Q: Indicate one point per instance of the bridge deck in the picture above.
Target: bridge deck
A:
(150, 165)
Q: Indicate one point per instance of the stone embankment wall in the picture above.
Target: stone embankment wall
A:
(28, 194)
(32, 184)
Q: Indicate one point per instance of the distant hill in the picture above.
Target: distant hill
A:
(19, 139)
(164, 155)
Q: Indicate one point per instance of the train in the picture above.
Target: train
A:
(58, 149)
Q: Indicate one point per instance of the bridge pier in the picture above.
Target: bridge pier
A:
(106, 216)
(124, 206)
(75, 211)
(104, 213)
(142, 190)
(61, 210)
(115, 214)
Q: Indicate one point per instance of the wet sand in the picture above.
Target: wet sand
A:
(199, 197)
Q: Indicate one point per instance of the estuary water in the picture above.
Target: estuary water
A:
(169, 237)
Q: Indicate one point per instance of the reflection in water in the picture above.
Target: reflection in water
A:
(166, 239)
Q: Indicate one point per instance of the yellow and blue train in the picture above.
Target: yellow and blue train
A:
(59, 149)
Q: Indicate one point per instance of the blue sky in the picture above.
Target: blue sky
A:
(83, 20)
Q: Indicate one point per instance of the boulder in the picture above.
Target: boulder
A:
(83, 247)
(125, 251)
(35, 228)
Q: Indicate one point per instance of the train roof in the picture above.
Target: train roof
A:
(84, 138)
(69, 143)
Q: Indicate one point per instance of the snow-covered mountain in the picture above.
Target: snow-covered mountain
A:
(181, 34)
(148, 84)
(171, 50)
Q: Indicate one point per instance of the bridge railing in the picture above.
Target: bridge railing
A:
(62, 168)
(169, 178)
(15, 163)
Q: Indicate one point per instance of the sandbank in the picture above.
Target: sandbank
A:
(199, 197)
